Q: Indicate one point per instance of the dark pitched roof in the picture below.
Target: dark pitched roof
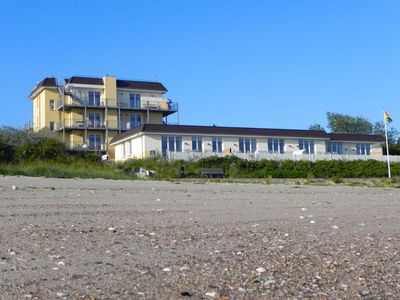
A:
(356, 137)
(238, 131)
(141, 85)
(49, 82)
(127, 84)
(85, 80)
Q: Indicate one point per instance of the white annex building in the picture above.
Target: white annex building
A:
(193, 142)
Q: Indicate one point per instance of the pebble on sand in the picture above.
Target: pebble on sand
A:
(211, 294)
(260, 270)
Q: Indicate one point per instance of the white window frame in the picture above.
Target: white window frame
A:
(197, 141)
(309, 149)
(363, 149)
(127, 148)
(281, 146)
(251, 142)
(216, 141)
(52, 104)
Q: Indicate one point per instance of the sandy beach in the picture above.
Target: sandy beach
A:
(106, 239)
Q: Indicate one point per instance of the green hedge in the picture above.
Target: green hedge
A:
(237, 168)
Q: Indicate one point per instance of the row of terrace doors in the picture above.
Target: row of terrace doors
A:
(94, 99)
(95, 121)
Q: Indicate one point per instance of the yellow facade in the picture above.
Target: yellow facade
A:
(88, 114)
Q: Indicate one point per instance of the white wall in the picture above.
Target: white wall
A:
(152, 142)
(141, 145)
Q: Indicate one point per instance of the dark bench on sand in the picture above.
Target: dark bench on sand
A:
(212, 172)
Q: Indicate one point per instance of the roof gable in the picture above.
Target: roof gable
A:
(47, 82)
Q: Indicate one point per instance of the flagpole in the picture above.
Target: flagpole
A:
(387, 146)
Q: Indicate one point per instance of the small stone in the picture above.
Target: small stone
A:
(335, 227)
(304, 209)
(211, 294)
(158, 200)
(269, 281)
(112, 229)
(61, 263)
(14, 188)
(184, 268)
(260, 270)
(312, 222)
(60, 294)
(166, 270)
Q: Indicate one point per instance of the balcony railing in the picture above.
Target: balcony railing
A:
(76, 102)
(191, 155)
(87, 147)
(82, 124)
(163, 105)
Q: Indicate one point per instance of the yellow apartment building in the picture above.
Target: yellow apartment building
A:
(86, 113)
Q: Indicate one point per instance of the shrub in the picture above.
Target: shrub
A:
(7, 152)
(41, 148)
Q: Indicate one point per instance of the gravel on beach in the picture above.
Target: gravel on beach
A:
(108, 239)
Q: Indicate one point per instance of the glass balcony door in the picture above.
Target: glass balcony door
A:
(94, 141)
(94, 120)
(134, 100)
(94, 98)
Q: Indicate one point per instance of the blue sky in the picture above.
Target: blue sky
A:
(275, 64)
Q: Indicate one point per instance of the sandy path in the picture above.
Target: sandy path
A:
(72, 238)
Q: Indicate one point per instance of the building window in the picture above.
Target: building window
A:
(171, 144)
(217, 145)
(247, 145)
(122, 150)
(94, 120)
(52, 105)
(127, 148)
(135, 121)
(276, 146)
(52, 126)
(334, 148)
(363, 149)
(197, 144)
(307, 145)
(134, 100)
(94, 98)
(94, 141)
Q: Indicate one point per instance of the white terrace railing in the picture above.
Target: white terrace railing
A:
(190, 155)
